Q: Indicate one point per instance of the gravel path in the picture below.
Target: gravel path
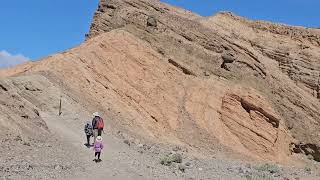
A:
(134, 160)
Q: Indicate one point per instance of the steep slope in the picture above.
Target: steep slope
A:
(28, 148)
(279, 61)
(158, 100)
(220, 84)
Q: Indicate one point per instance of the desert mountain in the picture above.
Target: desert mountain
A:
(279, 62)
(213, 85)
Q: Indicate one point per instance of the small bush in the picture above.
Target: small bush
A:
(259, 177)
(307, 169)
(26, 144)
(18, 138)
(177, 158)
(168, 160)
(271, 168)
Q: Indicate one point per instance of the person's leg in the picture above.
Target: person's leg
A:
(88, 140)
(99, 132)
(99, 153)
(95, 134)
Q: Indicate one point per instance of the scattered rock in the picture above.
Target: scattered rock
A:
(228, 57)
(161, 51)
(188, 164)
(244, 170)
(176, 148)
(3, 88)
(140, 145)
(18, 138)
(57, 167)
(36, 112)
(127, 142)
(25, 116)
(182, 167)
(147, 147)
(152, 21)
(26, 143)
(137, 142)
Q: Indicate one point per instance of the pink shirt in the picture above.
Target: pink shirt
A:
(98, 146)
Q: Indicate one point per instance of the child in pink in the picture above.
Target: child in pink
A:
(97, 147)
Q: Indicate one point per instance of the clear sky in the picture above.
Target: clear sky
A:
(37, 28)
(295, 12)
(31, 29)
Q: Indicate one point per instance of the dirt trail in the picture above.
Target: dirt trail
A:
(114, 165)
(120, 161)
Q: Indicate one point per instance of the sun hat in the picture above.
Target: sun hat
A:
(95, 114)
(99, 139)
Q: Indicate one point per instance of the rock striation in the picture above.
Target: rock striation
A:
(219, 84)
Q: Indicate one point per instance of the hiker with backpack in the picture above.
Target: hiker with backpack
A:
(88, 130)
(97, 125)
(97, 147)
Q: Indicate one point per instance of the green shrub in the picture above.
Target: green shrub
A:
(168, 160)
(177, 158)
(271, 168)
(259, 177)
(307, 169)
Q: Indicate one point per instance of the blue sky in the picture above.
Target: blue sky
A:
(294, 12)
(36, 28)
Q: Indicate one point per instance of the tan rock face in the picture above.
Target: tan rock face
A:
(259, 130)
(171, 79)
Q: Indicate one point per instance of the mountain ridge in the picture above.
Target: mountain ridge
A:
(218, 85)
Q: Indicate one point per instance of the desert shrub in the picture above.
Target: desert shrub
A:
(259, 177)
(271, 168)
(307, 169)
(168, 160)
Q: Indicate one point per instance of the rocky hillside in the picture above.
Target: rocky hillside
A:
(220, 84)
(281, 62)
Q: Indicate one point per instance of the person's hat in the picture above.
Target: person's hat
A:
(95, 114)
(99, 138)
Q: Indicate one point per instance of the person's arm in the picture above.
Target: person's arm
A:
(101, 146)
(102, 122)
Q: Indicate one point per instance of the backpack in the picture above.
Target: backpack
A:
(100, 123)
(88, 129)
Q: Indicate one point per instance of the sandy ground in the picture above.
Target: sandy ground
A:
(121, 161)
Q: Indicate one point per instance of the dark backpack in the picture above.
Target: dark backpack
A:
(88, 129)
(100, 123)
